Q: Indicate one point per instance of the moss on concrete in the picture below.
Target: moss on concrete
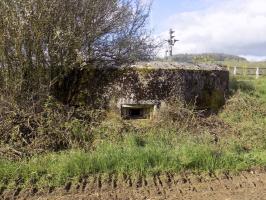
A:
(107, 87)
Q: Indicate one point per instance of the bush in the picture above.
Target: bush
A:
(243, 85)
(45, 127)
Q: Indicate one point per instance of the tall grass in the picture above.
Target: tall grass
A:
(245, 111)
(130, 156)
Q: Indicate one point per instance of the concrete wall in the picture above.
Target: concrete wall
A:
(113, 87)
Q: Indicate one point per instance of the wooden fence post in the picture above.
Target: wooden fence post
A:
(234, 71)
(257, 72)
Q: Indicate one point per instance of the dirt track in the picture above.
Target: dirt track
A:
(247, 186)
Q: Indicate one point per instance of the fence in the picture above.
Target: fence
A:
(248, 71)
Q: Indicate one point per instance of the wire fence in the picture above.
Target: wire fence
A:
(247, 71)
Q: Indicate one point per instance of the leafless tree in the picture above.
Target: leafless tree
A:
(42, 41)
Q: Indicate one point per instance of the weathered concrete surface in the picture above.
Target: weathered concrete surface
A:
(154, 83)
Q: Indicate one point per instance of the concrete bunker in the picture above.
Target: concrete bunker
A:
(141, 90)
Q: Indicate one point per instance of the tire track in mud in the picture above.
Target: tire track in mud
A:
(247, 185)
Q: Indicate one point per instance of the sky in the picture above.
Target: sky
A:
(235, 27)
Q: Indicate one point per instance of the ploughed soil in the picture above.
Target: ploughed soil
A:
(246, 185)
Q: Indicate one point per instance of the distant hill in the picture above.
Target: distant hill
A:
(218, 58)
(206, 57)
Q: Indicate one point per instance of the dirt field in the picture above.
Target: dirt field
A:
(246, 186)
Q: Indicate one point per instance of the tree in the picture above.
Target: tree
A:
(42, 41)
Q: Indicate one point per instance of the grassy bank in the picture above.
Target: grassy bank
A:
(234, 140)
(129, 158)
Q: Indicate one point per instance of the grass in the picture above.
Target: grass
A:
(246, 112)
(128, 158)
(125, 149)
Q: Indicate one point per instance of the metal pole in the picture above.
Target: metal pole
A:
(171, 42)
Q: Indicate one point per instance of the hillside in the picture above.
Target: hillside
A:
(218, 58)
(206, 57)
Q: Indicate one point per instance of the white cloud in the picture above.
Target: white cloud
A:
(254, 58)
(230, 26)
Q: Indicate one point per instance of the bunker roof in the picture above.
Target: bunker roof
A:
(177, 65)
